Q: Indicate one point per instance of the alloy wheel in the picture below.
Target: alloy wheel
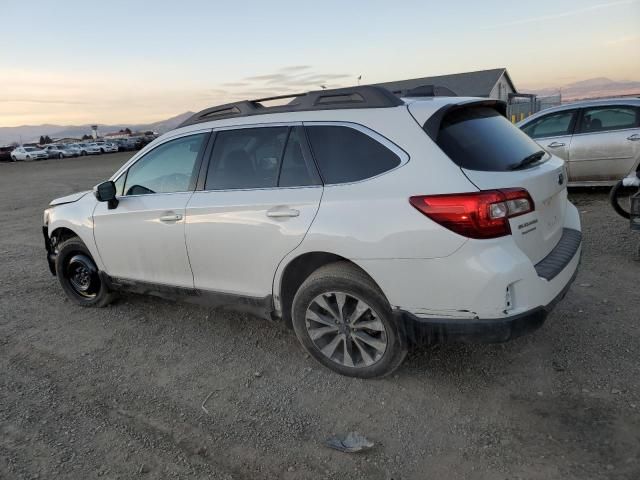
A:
(346, 330)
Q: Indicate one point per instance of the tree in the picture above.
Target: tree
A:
(86, 137)
(127, 131)
(47, 139)
(41, 142)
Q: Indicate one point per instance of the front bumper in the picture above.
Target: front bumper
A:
(51, 254)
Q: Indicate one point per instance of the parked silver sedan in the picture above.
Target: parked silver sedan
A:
(599, 139)
(59, 151)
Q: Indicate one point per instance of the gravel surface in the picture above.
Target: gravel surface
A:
(118, 392)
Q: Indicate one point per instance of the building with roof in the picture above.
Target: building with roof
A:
(495, 83)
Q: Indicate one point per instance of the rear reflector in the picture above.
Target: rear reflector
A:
(483, 214)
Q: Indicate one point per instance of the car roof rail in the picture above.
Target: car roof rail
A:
(366, 96)
(425, 91)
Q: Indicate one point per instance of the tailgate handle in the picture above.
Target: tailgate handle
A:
(555, 144)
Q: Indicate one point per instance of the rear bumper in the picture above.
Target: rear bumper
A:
(562, 261)
(494, 330)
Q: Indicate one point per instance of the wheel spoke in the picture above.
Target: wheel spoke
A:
(341, 299)
(316, 333)
(379, 345)
(330, 348)
(348, 358)
(360, 310)
(322, 302)
(363, 351)
(319, 318)
(370, 325)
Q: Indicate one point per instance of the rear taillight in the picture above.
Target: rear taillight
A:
(482, 214)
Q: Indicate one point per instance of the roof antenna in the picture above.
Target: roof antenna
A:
(323, 87)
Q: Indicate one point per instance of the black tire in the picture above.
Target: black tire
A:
(619, 191)
(79, 277)
(27, 157)
(345, 278)
(13, 158)
(60, 156)
(83, 153)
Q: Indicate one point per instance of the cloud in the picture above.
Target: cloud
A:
(556, 16)
(623, 40)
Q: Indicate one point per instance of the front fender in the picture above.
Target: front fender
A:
(77, 217)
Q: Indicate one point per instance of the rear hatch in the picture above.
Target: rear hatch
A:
(494, 154)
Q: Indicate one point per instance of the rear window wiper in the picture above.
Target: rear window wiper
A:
(528, 160)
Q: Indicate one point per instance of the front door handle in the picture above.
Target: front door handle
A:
(634, 138)
(555, 144)
(281, 213)
(174, 217)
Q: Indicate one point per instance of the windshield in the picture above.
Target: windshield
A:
(30, 149)
(479, 138)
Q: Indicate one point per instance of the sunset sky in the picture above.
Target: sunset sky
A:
(124, 61)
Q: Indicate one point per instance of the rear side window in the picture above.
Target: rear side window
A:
(265, 157)
(344, 154)
(602, 119)
(552, 125)
(479, 138)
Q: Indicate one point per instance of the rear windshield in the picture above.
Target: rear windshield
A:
(479, 138)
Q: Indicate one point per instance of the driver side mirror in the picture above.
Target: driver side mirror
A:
(106, 192)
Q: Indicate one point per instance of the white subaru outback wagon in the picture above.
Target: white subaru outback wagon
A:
(365, 220)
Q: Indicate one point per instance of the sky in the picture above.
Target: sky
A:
(79, 62)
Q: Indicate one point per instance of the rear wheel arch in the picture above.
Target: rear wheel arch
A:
(298, 270)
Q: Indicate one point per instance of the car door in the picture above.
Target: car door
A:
(260, 195)
(554, 132)
(606, 144)
(142, 239)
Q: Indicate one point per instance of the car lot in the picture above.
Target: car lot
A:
(117, 392)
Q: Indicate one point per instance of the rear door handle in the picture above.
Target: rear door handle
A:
(634, 138)
(555, 144)
(281, 213)
(174, 217)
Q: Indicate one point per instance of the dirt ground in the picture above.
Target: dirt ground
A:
(117, 392)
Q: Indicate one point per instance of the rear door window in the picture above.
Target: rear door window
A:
(603, 119)
(480, 138)
(344, 154)
(552, 125)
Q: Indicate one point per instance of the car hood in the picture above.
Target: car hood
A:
(74, 197)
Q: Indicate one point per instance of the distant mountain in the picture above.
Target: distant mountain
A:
(31, 133)
(592, 88)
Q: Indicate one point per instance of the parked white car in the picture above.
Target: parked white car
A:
(59, 151)
(28, 153)
(105, 147)
(86, 149)
(366, 221)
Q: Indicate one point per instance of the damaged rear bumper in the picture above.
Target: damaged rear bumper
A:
(495, 330)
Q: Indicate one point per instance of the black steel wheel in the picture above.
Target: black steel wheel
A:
(79, 275)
